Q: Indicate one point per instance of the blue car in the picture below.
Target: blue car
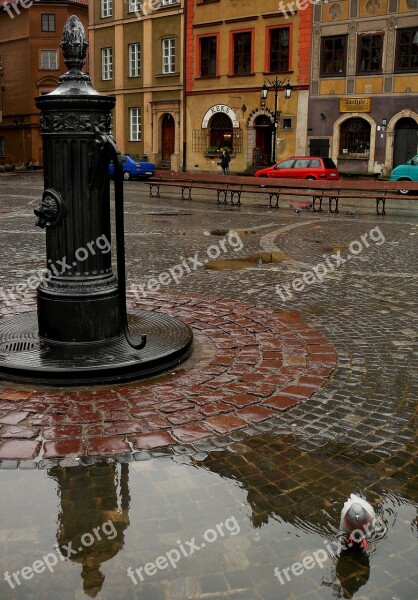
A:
(134, 167)
(407, 172)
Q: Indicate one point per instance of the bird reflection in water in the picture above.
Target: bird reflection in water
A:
(94, 505)
(353, 570)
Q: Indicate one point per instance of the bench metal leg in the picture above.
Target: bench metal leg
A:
(335, 198)
(152, 185)
(189, 197)
(276, 195)
(378, 201)
(314, 199)
(219, 192)
(233, 193)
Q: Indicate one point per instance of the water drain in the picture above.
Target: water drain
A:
(17, 346)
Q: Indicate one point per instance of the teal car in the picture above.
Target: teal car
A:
(407, 172)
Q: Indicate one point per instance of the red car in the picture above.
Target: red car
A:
(302, 167)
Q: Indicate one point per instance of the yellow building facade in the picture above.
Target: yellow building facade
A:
(232, 50)
(136, 50)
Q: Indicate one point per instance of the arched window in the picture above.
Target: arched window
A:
(355, 137)
(220, 127)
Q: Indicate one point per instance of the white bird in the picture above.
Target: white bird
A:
(298, 210)
(357, 516)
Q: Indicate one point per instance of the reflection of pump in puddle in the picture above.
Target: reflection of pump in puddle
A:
(353, 570)
(93, 518)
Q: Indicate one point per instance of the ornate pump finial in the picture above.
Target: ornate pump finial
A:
(74, 44)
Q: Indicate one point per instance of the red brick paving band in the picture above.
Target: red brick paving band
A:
(252, 364)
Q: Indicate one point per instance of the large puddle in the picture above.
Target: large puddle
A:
(257, 519)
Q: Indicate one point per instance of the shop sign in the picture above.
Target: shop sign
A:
(355, 105)
(220, 108)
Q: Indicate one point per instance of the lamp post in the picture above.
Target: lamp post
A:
(276, 84)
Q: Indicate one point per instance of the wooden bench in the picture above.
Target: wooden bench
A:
(233, 186)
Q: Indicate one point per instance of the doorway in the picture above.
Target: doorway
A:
(263, 140)
(406, 141)
(168, 137)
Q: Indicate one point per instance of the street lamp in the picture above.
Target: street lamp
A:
(276, 84)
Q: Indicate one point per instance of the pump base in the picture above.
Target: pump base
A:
(25, 357)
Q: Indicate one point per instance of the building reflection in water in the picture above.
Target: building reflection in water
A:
(93, 518)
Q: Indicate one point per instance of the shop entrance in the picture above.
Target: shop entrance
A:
(263, 139)
(406, 140)
(168, 135)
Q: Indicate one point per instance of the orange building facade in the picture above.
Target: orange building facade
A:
(230, 54)
(30, 65)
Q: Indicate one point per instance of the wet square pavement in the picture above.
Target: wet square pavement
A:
(292, 399)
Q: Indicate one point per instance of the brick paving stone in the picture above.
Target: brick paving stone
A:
(225, 423)
(67, 431)
(215, 408)
(241, 400)
(255, 414)
(18, 431)
(19, 449)
(184, 416)
(13, 418)
(303, 391)
(107, 445)
(191, 433)
(15, 395)
(149, 441)
(281, 402)
(62, 448)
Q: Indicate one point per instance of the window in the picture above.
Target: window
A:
(48, 22)
(106, 8)
(242, 53)
(107, 66)
(333, 55)
(169, 55)
(134, 6)
(2, 153)
(134, 60)
(287, 123)
(285, 164)
(208, 56)
(315, 163)
(49, 59)
(370, 53)
(168, 2)
(355, 137)
(135, 124)
(279, 49)
(407, 49)
(220, 132)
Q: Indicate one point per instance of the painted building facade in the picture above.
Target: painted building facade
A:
(232, 49)
(137, 52)
(363, 109)
(30, 65)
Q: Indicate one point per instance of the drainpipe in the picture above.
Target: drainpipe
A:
(183, 168)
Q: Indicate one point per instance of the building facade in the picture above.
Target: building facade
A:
(363, 109)
(30, 65)
(232, 50)
(137, 52)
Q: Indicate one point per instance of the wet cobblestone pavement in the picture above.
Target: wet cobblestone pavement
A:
(292, 399)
